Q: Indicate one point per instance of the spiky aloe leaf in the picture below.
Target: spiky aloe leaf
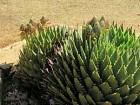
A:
(71, 94)
(124, 90)
(137, 75)
(114, 56)
(90, 100)
(95, 90)
(84, 74)
(117, 65)
(121, 74)
(92, 66)
(112, 82)
(79, 87)
(88, 82)
(96, 77)
(107, 72)
(129, 81)
(115, 98)
(83, 100)
(105, 88)
(132, 66)
(130, 99)
(136, 88)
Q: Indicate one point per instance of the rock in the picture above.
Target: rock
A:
(5, 66)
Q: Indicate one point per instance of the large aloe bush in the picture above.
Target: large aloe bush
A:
(97, 71)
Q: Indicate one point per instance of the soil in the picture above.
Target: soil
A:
(13, 13)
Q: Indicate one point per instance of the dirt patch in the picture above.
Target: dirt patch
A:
(69, 12)
(10, 54)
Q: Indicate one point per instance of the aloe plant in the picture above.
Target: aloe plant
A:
(32, 56)
(97, 71)
(43, 44)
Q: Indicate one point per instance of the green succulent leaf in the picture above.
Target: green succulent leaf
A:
(121, 74)
(132, 66)
(124, 90)
(90, 100)
(83, 100)
(105, 88)
(115, 98)
(137, 75)
(95, 90)
(130, 99)
(112, 82)
(107, 72)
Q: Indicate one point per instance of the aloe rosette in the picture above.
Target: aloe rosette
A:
(97, 71)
